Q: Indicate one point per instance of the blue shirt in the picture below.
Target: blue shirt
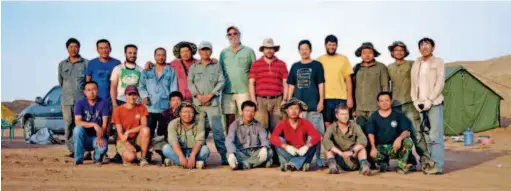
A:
(92, 113)
(101, 72)
(158, 89)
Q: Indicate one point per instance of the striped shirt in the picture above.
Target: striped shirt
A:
(268, 77)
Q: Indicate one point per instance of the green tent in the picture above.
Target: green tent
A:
(468, 103)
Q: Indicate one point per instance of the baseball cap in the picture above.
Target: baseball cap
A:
(131, 89)
(205, 44)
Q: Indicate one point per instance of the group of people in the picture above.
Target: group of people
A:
(272, 117)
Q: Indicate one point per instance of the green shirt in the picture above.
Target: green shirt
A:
(370, 81)
(335, 138)
(236, 66)
(400, 76)
(204, 80)
(186, 138)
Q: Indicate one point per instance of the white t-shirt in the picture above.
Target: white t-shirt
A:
(126, 74)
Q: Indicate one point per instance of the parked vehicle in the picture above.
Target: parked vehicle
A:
(45, 112)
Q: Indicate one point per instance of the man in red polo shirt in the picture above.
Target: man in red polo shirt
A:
(267, 85)
(295, 138)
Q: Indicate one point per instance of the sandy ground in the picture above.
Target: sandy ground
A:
(29, 167)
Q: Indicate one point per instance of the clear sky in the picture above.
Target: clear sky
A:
(34, 33)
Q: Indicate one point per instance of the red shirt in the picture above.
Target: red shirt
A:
(182, 77)
(295, 137)
(268, 77)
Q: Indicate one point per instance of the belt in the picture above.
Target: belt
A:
(270, 97)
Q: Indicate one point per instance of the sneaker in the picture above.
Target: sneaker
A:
(332, 167)
(106, 159)
(167, 162)
(433, 171)
(78, 163)
(365, 169)
(199, 164)
(98, 164)
(306, 167)
(405, 170)
(143, 162)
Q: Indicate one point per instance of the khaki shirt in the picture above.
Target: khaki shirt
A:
(185, 137)
(370, 81)
(344, 142)
(400, 75)
(204, 80)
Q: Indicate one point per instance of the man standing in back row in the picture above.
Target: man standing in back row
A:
(71, 78)
(235, 61)
(337, 79)
(427, 85)
(306, 83)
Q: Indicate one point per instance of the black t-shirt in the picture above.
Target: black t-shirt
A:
(306, 78)
(387, 129)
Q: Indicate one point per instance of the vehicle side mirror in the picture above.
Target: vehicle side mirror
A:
(39, 100)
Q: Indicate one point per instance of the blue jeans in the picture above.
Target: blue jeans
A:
(317, 120)
(84, 142)
(172, 155)
(329, 110)
(297, 161)
(215, 122)
(435, 139)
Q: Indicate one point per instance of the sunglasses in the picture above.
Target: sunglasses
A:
(233, 34)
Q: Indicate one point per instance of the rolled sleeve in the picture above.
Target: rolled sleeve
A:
(327, 138)
(361, 137)
(172, 132)
(199, 137)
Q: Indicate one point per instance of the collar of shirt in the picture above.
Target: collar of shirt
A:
(252, 122)
(274, 60)
(232, 50)
(130, 65)
(180, 125)
(350, 129)
(209, 63)
(80, 59)
(373, 63)
(299, 125)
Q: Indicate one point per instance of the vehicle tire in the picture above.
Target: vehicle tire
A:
(28, 128)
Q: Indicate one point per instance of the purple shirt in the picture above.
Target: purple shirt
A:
(92, 113)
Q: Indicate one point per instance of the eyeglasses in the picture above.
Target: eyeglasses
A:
(233, 34)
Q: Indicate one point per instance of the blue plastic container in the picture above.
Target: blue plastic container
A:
(468, 137)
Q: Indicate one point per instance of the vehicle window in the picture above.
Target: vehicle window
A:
(53, 97)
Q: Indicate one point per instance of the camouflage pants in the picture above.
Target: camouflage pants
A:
(419, 138)
(386, 152)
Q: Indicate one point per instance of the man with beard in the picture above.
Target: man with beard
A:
(427, 85)
(206, 82)
(291, 138)
(338, 72)
(123, 75)
(306, 82)
(267, 85)
(155, 87)
(71, 76)
(235, 61)
(400, 75)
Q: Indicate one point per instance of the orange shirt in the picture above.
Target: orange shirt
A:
(129, 118)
